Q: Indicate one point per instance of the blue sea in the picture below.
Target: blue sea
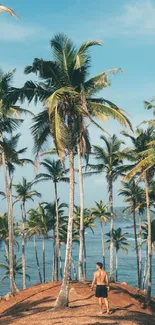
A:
(127, 262)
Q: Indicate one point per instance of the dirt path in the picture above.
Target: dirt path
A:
(33, 306)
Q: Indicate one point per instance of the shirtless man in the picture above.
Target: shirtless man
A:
(102, 286)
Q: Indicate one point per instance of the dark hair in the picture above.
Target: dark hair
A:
(100, 265)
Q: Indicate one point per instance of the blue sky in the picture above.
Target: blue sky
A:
(127, 29)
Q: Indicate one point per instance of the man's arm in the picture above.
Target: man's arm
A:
(94, 281)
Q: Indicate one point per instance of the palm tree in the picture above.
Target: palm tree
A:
(10, 120)
(110, 162)
(145, 236)
(51, 222)
(4, 233)
(132, 192)
(68, 96)
(138, 154)
(120, 243)
(17, 268)
(10, 11)
(56, 174)
(88, 221)
(24, 193)
(101, 212)
(38, 218)
(34, 230)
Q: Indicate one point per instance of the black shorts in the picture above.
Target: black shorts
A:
(101, 291)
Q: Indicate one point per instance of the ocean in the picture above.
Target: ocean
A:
(127, 262)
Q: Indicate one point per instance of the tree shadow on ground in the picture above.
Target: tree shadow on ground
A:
(138, 318)
(141, 298)
(25, 309)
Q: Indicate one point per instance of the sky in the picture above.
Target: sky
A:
(127, 30)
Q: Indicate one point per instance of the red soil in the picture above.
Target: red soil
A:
(33, 307)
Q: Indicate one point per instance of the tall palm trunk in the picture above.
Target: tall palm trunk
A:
(116, 265)
(136, 243)
(60, 263)
(80, 264)
(74, 268)
(85, 255)
(23, 246)
(149, 241)
(6, 249)
(37, 260)
(111, 228)
(57, 244)
(63, 297)
(140, 250)
(43, 249)
(13, 288)
(54, 257)
(103, 249)
(145, 267)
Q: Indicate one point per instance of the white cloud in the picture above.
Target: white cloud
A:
(136, 19)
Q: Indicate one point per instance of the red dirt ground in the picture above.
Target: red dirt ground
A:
(33, 307)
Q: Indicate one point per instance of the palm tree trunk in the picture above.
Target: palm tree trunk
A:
(81, 246)
(14, 288)
(116, 265)
(111, 229)
(145, 267)
(74, 268)
(37, 260)
(85, 256)
(10, 225)
(140, 250)
(6, 249)
(54, 258)
(57, 234)
(60, 263)
(149, 239)
(136, 243)
(103, 249)
(23, 262)
(63, 297)
(43, 248)
(23, 247)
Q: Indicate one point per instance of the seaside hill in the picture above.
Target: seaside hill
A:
(33, 306)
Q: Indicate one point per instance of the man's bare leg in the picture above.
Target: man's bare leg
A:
(100, 304)
(107, 304)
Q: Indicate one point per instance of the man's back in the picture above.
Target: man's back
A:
(101, 277)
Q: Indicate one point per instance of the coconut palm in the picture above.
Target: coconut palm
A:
(145, 236)
(120, 243)
(17, 268)
(33, 231)
(132, 193)
(110, 162)
(4, 233)
(101, 212)
(51, 223)
(24, 193)
(66, 91)
(10, 157)
(10, 120)
(38, 219)
(138, 154)
(56, 174)
(88, 224)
